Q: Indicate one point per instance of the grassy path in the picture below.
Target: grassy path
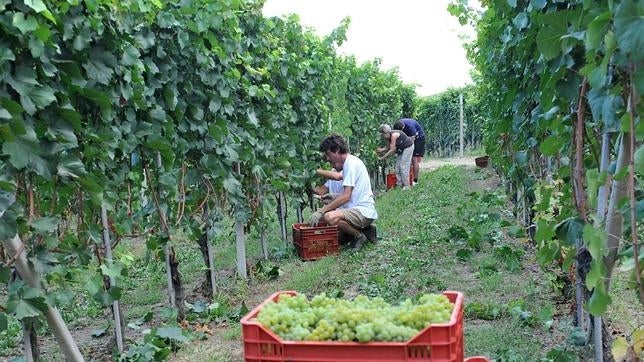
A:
(453, 231)
(448, 233)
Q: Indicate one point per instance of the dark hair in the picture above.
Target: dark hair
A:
(334, 143)
(399, 125)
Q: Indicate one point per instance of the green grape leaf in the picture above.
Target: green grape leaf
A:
(25, 301)
(130, 55)
(99, 332)
(570, 230)
(96, 290)
(36, 47)
(521, 21)
(6, 54)
(521, 158)
(545, 231)
(595, 241)
(71, 167)
(599, 301)
(113, 271)
(604, 106)
(37, 5)
(629, 28)
(158, 114)
(43, 33)
(552, 144)
(4, 114)
(595, 274)
(172, 333)
(639, 160)
(546, 197)
(18, 153)
(549, 41)
(596, 30)
(45, 224)
(24, 25)
(8, 225)
(100, 98)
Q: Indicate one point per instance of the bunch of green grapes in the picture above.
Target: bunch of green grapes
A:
(363, 319)
(431, 308)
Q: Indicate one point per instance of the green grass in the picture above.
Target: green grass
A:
(416, 254)
(307, 275)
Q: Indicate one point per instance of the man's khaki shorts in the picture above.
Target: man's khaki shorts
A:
(355, 218)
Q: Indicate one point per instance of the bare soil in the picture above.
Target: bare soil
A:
(434, 163)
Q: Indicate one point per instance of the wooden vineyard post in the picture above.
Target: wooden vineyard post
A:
(460, 100)
(116, 310)
(210, 254)
(281, 214)
(55, 321)
(240, 238)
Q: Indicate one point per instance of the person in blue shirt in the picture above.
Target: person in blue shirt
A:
(413, 129)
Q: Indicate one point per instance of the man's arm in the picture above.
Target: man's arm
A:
(392, 146)
(332, 175)
(338, 201)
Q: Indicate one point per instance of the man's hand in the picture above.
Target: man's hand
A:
(314, 220)
(327, 198)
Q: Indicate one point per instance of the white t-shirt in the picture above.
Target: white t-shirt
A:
(335, 187)
(355, 174)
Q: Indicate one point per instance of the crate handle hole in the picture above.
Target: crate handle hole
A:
(419, 351)
(270, 349)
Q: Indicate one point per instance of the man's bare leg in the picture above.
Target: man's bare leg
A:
(336, 217)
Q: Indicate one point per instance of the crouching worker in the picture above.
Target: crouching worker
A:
(353, 211)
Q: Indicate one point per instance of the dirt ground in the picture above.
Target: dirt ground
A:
(434, 163)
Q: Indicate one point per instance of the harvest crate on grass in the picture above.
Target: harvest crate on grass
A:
(482, 161)
(390, 179)
(437, 342)
(315, 242)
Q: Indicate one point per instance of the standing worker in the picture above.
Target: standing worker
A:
(403, 146)
(414, 130)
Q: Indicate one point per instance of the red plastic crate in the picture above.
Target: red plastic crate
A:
(391, 179)
(315, 242)
(437, 342)
(477, 359)
(482, 161)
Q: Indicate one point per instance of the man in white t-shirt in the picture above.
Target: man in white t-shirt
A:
(354, 209)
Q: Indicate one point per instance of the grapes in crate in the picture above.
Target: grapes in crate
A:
(363, 319)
